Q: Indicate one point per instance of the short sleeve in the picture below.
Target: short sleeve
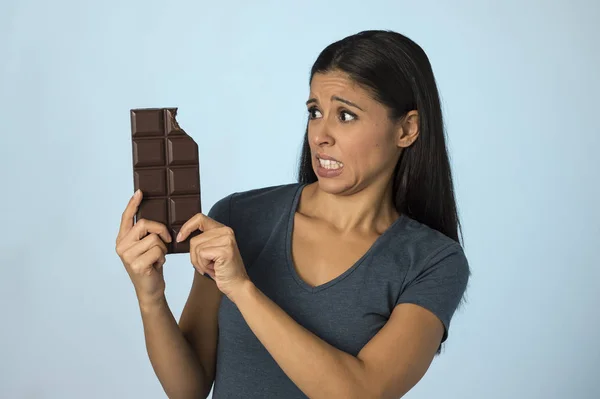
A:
(439, 285)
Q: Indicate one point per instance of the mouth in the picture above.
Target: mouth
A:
(328, 162)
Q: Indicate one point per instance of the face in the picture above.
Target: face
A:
(353, 142)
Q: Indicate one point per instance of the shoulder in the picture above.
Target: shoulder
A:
(435, 270)
(265, 197)
(241, 206)
(421, 254)
(423, 244)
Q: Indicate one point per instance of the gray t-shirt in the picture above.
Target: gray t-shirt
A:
(409, 263)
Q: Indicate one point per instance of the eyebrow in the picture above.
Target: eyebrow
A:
(336, 98)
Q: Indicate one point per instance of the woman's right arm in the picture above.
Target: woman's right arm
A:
(183, 356)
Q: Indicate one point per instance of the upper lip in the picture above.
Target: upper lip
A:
(326, 157)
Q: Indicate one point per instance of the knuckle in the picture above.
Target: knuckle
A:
(142, 223)
(137, 266)
(194, 240)
(120, 244)
(154, 238)
(128, 259)
(120, 251)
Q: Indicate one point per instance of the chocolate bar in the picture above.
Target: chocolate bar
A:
(166, 169)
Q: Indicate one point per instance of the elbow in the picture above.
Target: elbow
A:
(359, 391)
(355, 384)
(361, 394)
(346, 391)
(186, 395)
(189, 396)
(199, 391)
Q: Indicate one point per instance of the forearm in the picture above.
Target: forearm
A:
(176, 365)
(317, 368)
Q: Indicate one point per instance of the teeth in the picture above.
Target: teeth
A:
(330, 164)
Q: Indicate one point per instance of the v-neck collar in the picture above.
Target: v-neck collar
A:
(288, 248)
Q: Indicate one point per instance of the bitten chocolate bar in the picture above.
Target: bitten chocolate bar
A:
(166, 169)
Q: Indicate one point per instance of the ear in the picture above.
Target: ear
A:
(408, 129)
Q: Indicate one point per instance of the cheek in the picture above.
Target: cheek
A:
(377, 142)
(366, 154)
(373, 154)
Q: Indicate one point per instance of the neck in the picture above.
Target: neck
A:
(366, 210)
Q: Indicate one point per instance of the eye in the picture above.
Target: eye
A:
(348, 115)
(312, 111)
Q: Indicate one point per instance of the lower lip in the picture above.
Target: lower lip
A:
(324, 172)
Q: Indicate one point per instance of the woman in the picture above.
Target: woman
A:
(342, 285)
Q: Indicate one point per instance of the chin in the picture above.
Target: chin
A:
(332, 186)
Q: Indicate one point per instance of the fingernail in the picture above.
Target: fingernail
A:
(178, 237)
(137, 193)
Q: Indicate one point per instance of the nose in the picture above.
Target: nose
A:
(321, 135)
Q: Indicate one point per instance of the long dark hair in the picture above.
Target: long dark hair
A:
(398, 73)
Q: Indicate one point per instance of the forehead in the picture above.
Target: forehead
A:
(337, 83)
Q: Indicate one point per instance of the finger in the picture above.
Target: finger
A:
(194, 259)
(203, 267)
(197, 222)
(145, 226)
(213, 238)
(144, 263)
(194, 256)
(208, 256)
(140, 247)
(160, 263)
(129, 213)
(208, 236)
(142, 228)
(200, 263)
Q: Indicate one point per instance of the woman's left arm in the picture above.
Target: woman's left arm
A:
(388, 366)
(391, 363)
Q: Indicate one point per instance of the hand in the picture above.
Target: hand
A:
(215, 252)
(142, 250)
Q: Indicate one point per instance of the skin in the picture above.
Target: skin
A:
(356, 206)
(175, 361)
(339, 218)
(369, 145)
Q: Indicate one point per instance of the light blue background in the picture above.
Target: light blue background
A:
(519, 82)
